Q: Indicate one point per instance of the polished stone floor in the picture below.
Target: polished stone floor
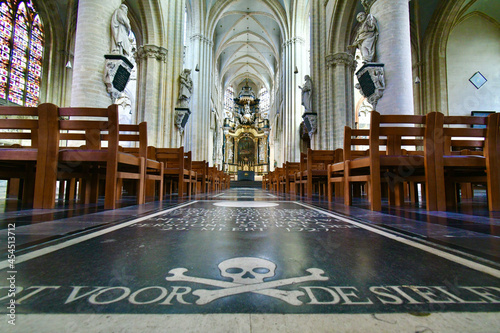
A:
(247, 260)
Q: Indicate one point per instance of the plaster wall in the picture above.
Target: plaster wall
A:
(481, 52)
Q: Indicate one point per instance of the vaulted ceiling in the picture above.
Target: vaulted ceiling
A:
(247, 43)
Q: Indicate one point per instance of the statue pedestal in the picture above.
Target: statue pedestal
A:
(116, 74)
(371, 82)
(181, 118)
(310, 121)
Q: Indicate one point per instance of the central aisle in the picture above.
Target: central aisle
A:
(245, 251)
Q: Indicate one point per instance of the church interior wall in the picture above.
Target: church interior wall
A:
(480, 54)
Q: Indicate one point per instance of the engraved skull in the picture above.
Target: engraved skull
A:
(247, 270)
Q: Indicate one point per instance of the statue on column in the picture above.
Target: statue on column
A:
(306, 93)
(366, 37)
(120, 30)
(186, 87)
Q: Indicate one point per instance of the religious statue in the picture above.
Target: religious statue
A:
(366, 37)
(186, 87)
(306, 93)
(120, 30)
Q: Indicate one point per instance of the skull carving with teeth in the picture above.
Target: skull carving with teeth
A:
(247, 270)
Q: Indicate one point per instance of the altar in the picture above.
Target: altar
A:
(246, 175)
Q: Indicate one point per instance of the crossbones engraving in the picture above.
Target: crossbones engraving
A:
(248, 275)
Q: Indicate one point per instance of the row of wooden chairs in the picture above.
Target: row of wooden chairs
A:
(444, 154)
(90, 154)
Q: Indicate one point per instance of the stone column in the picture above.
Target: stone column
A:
(341, 69)
(292, 113)
(151, 60)
(394, 51)
(198, 127)
(92, 42)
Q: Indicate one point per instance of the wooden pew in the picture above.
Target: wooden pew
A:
(287, 178)
(23, 151)
(395, 165)
(91, 151)
(138, 135)
(214, 177)
(315, 172)
(265, 180)
(302, 167)
(177, 170)
(276, 178)
(467, 155)
(201, 169)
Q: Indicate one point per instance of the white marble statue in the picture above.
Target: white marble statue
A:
(120, 30)
(366, 38)
(307, 93)
(186, 87)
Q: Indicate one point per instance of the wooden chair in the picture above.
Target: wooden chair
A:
(138, 135)
(215, 180)
(201, 169)
(467, 155)
(302, 167)
(91, 152)
(23, 151)
(315, 172)
(287, 182)
(395, 165)
(275, 180)
(265, 180)
(177, 172)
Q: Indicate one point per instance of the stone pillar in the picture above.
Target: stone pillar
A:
(292, 113)
(341, 70)
(92, 42)
(151, 60)
(394, 51)
(198, 127)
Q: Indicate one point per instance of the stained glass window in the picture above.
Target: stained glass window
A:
(21, 43)
(229, 101)
(264, 103)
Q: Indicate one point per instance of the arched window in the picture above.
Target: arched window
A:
(265, 102)
(229, 101)
(21, 43)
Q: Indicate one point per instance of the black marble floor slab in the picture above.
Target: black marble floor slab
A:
(247, 251)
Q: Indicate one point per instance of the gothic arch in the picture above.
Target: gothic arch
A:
(340, 31)
(434, 83)
(57, 52)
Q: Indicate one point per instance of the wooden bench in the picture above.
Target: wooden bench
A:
(201, 169)
(137, 135)
(91, 152)
(276, 178)
(314, 171)
(287, 178)
(387, 160)
(466, 155)
(177, 170)
(214, 178)
(23, 151)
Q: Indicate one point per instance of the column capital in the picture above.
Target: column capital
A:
(342, 58)
(151, 51)
(202, 38)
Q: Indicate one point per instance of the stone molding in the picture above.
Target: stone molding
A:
(151, 51)
(293, 40)
(342, 58)
(202, 38)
